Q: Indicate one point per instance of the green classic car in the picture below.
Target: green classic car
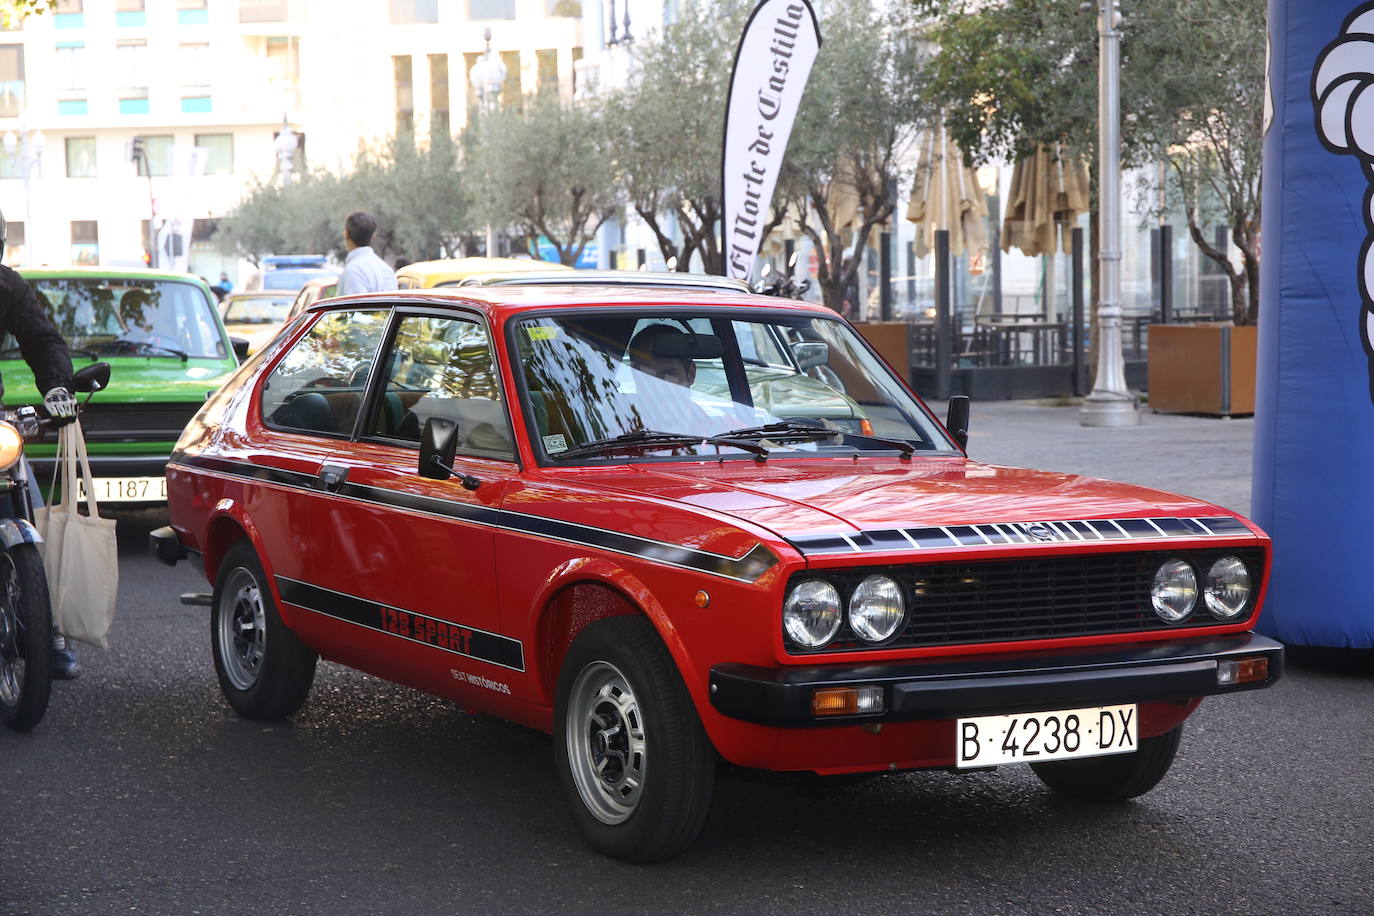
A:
(167, 349)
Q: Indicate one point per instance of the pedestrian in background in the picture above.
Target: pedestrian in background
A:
(363, 271)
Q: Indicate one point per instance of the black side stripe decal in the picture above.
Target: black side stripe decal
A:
(747, 568)
(469, 642)
(1017, 533)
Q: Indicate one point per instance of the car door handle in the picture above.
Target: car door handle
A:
(332, 477)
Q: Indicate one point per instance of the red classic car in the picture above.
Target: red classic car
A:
(674, 527)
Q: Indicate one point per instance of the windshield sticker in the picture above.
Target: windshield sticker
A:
(542, 332)
(555, 443)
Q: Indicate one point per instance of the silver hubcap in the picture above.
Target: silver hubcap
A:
(606, 745)
(12, 665)
(242, 631)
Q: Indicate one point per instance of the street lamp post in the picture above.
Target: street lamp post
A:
(29, 145)
(488, 78)
(1110, 403)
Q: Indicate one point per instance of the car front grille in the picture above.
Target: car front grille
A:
(1012, 600)
(136, 422)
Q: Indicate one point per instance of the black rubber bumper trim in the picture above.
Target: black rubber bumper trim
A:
(165, 545)
(995, 685)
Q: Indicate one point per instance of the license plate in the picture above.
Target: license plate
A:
(127, 489)
(1035, 736)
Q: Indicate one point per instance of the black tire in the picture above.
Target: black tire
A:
(677, 765)
(25, 638)
(1114, 778)
(263, 669)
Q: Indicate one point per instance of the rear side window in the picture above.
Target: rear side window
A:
(318, 387)
(443, 367)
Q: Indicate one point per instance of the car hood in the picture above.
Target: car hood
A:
(132, 379)
(802, 499)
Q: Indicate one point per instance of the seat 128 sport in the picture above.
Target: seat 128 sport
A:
(676, 528)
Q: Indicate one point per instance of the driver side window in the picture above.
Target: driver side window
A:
(318, 387)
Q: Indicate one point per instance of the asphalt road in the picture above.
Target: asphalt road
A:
(142, 792)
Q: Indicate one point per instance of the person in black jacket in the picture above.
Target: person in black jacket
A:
(46, 353)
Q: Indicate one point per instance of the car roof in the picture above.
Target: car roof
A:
(503, 301)
(614, 278)
(107, 273)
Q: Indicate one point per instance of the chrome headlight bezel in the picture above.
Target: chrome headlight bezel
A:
(865, 598)
(1174, 590)
(1211, 592)
(812, 613)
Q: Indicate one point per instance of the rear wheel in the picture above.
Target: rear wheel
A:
(264, 670)
(636, 767)
(25, 638)
(1116, 777)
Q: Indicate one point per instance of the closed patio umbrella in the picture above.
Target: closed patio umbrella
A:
(946, 195)
(1049, 191)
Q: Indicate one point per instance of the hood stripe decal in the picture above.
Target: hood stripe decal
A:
(1011, 534)
(746, 568)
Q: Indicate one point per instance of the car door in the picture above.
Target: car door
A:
(423, 548)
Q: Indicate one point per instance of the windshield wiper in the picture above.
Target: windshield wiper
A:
(640, 438)
(11, 352)
(144, 345)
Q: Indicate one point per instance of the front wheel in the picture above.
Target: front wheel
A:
(1114, 778)
(25, 638)
(264, 670)
(636, 767)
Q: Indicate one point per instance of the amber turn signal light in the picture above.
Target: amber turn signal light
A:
(1242, 671)
(847, 701)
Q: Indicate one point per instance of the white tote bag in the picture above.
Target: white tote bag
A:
(80, 554)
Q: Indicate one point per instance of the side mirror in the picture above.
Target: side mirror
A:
(438, 443)
(240, 345)
(811, 353)
(956, 421)
(92, 378)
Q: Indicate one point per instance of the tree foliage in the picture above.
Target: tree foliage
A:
(415, 193)
(857, 119)
(667, 128)
(544, 170)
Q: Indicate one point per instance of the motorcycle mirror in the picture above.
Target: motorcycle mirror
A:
(92, 378)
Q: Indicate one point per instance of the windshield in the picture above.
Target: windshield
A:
(256, 311)
(636, 385)
(112, 317)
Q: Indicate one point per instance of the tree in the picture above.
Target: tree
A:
(853, 130)
(1013, 75)
(415, 193)
(544, 170)
(667, 128)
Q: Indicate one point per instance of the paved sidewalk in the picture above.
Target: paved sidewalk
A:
(1197, 456)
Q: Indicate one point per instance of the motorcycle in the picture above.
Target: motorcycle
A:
(25, 612)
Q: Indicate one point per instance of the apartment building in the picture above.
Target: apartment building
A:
(206, 87)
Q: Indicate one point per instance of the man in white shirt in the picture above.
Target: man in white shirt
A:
(363, 271)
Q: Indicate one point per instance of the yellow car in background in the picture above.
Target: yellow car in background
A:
(255, 317)
(453, 271)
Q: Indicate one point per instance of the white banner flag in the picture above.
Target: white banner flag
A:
(776, 51)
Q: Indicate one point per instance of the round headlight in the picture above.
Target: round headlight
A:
(11, 445)
(1174, 590)
(1228, 588)
(811, 613)
(876, 609)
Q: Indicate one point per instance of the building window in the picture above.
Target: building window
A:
(438, 94)
(81, 157)
(219, 157)
(405, 94)
(157, 155)
(194, 64)
(570, 9)
(132, 57)
(11, 80)
(71, 67)
(409, 12)
(491, 9)
(85, 242)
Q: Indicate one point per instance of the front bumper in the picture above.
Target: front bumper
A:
(946, 688)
